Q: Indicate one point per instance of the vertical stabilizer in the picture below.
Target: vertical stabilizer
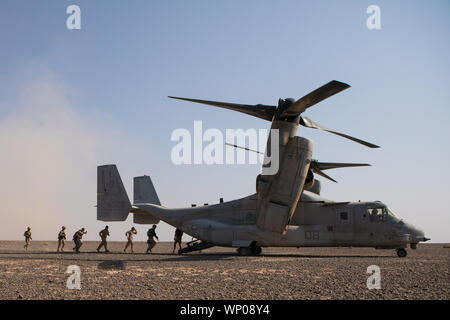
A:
(112, 199)
(144, 191)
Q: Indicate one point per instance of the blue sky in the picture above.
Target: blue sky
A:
(115, 73)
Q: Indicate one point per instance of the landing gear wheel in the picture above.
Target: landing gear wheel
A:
(401, 253)
(244, 251)
(256, 250)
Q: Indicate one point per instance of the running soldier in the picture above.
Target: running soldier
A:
(77, 239)
(103, 235)
(151, 234)
(61, 239)
(129, 234)
(177, 239)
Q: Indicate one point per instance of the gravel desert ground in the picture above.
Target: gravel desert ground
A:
(219, 273)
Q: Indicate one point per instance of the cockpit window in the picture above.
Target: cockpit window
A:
(377, 214)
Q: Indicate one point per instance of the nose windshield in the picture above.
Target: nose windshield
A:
(392, 214)
(394, 217)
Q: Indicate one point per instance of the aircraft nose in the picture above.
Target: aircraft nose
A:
(416, 235)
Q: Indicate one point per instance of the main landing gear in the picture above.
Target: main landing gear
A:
(249, 251)
(401, 252)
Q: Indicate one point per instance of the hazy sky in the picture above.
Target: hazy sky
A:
(74, 99)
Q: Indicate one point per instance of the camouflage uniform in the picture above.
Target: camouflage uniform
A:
(177, 238)
(28, 238)
(61, 239)
(103, 235)
(151, 234)
(77, 239)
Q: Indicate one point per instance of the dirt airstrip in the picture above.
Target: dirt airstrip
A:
(219, 273)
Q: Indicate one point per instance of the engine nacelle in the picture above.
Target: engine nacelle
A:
(279, 194)
(314, 186)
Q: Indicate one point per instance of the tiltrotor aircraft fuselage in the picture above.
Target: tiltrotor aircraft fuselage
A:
(286, 210)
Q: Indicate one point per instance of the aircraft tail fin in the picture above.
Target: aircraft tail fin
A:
(112, 199)
(144, 192)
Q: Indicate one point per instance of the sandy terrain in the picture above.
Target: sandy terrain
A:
(218, 273)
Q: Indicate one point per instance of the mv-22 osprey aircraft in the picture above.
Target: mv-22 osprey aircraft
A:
(286, 210)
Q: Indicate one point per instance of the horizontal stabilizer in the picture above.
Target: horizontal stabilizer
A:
(145, 218)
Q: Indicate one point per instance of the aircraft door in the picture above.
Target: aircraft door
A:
(343, 225)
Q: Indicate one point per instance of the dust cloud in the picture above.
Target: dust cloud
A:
(48, 155)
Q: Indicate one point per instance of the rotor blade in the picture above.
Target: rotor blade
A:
(306, 122)
(260, 111)
(320, 172)
(314, 97)
(236, 146)
(335, 165)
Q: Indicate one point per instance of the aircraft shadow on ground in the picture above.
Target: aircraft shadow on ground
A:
(112, 265)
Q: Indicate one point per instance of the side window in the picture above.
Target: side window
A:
(344, 216)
